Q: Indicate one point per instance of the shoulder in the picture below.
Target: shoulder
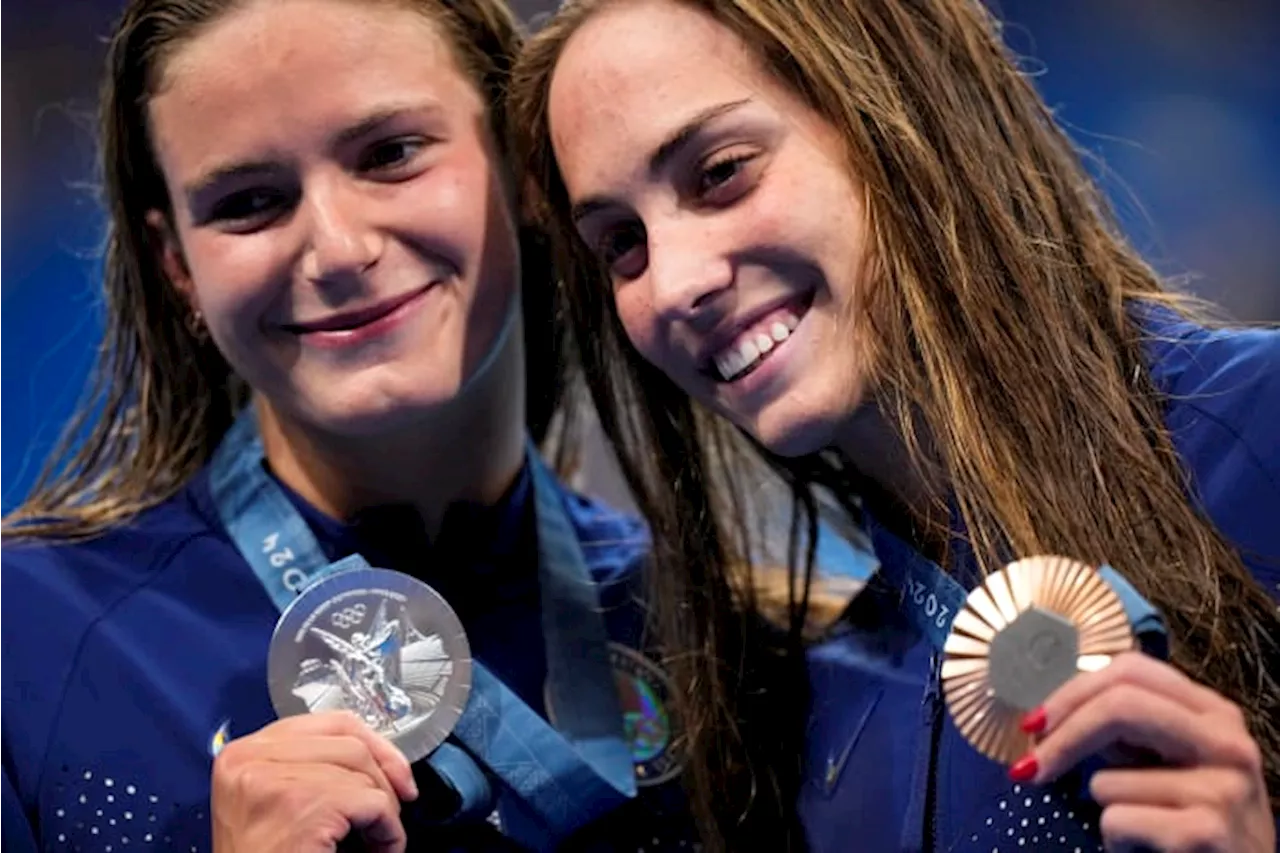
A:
(615, 544)
(79, 580)
(1228, 372)
(55, 594)
(1221, 388)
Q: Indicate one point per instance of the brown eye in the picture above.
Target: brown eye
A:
(723, 180)
(391, 155)
(622, 247)
(720, 173)
(247, 210)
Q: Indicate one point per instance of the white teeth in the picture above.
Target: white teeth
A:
(754, 346)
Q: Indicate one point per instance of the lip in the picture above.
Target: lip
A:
(753, 388)
(349, 321)
(364, 325)
(729, 331)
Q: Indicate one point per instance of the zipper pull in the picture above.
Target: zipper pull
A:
(932, 693)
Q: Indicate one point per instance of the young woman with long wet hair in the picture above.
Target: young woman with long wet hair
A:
(316, 363)
(853, 232)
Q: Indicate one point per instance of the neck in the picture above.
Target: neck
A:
(468, 449)
(911, 487)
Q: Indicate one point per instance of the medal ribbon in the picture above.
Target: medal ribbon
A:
(566, 776)
(930, 598)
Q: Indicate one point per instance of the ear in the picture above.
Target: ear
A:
(169, 255)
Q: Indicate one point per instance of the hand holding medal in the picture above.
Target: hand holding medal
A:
(1021, 635)
(1040, 673)
(380, 644)
(305, 783)
(368, 670)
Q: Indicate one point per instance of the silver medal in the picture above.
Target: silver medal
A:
(381, 644)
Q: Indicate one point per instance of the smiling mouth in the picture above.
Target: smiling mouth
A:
(351, 320)
(755, 344)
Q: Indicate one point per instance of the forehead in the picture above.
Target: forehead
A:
(270, 71)
(635, 72)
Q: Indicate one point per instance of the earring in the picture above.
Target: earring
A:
(196, 326)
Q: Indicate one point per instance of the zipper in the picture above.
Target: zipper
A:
(919, 827)
(933, 708)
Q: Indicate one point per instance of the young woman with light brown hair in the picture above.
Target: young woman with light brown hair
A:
(852, 231)
(323, 324)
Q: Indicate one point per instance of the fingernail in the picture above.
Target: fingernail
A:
(413, 784)
(1033, 723)
(1024, 769)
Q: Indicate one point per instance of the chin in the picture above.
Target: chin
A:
(791, 437)
(809, 417)
(363, 421)
(375, 411)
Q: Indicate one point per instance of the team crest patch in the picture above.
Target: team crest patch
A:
(649, 723)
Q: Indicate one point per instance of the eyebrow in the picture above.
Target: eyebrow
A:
(667, 151)
(259, 168)
(207, 182)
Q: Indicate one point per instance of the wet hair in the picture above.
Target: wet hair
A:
(1000, 317)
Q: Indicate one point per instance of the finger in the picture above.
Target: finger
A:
(392, 761)
(346, 751)
(319, 723)
(1136, 669)
(375, 816)
(1218, 787)
(1123, 715)
(341, 804)
(388, 755)
(311, 803)
(1133, 827)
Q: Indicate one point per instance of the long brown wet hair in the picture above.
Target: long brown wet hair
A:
(161, 396)
(999, 321)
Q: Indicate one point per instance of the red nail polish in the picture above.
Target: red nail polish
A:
(1034, 722)
(1024, 769)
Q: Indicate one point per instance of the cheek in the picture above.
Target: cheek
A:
(235, 279)
(231, 276)
(499, 247)
(813, 207)
(637, 317)
(448, 201)
(460, 212)
(778, 213)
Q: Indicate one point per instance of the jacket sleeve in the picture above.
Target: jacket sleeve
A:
(15, 827)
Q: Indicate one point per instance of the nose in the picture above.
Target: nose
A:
(688, 271)
(343, 243)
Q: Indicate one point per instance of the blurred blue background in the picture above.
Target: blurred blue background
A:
(1179, 98)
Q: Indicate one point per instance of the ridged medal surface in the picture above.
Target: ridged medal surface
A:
(1021, 634)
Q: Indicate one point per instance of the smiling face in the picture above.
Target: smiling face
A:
(339, 215)
(726, 213)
